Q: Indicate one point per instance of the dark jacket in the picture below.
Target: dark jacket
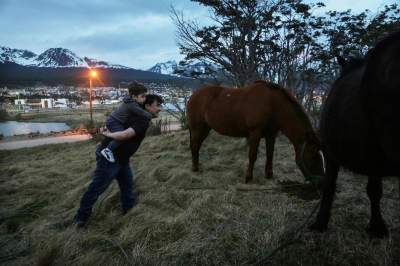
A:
(130, 146)
(127, 109)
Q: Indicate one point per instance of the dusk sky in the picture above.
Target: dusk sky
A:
(134, 33)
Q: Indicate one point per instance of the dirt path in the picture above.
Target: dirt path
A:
(18, 144)
(27, 143)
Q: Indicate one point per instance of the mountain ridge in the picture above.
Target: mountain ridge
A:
(52, 57)
(60, 65)
(189, 70)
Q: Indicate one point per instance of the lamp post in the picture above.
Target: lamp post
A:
(93, 74)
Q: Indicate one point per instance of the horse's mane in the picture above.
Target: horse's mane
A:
(288, 95)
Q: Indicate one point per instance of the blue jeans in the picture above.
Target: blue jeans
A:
(103, 176)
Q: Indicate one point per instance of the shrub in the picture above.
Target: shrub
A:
(154, 128)
(157, 127)
(4, 115)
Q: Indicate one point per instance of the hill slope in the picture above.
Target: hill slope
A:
(182, 218)
(14, 74)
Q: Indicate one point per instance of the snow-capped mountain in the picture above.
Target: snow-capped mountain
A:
(188, 70)
(59, 57)
(167, 68)
(21, 57)
(198, 68)
(53, 57)
(61, 66)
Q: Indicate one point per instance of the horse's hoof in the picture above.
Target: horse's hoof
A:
(195, 169)
(248, 180)
(269, 176)
(318, 227)
(377, 230)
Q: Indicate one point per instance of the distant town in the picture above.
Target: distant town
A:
(37, 98)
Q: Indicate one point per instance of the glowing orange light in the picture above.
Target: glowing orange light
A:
(93, 73)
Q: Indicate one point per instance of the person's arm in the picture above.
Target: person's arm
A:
(119, 135)
(135, 109)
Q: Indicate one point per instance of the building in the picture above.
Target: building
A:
(47, 103)
(20, 101)
(34, 104)
(61, 103)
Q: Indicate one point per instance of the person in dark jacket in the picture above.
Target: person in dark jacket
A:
(129, 109)
(106, 172)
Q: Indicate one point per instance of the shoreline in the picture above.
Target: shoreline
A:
(28, 143)
(31, 136)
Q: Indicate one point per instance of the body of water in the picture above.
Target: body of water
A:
(12, 128)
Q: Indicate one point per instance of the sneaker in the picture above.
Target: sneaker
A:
(124, 212)
(79, 223)
(108, 154)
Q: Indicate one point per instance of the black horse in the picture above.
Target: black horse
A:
(360, 128)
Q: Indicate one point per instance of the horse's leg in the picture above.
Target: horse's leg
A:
(376, 227)
(270, 145)
(253, 141)
(328, 192)
(197, 136)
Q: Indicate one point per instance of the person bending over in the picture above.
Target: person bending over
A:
(131, 108)
(106, 172)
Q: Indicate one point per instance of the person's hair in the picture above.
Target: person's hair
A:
(150, 98)
(136, 88)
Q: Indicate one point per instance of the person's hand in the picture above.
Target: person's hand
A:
(104, 131)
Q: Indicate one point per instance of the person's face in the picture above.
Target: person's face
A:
(153, 108)
(139, 98)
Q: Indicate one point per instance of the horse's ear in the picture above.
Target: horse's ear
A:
(341, 61)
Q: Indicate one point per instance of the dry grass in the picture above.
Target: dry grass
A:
(182, 218)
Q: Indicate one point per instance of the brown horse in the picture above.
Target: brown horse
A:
(258, 111)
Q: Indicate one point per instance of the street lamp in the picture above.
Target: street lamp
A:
(92, 74)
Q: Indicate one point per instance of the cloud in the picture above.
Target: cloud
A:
(148, 34)
(137, 33)
(107, 30)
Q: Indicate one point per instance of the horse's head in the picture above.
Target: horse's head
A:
(310, 159)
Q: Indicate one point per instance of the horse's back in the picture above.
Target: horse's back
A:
(199, 102)
(231, 111)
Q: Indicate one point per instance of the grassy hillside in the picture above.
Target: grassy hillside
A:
(183, 218)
